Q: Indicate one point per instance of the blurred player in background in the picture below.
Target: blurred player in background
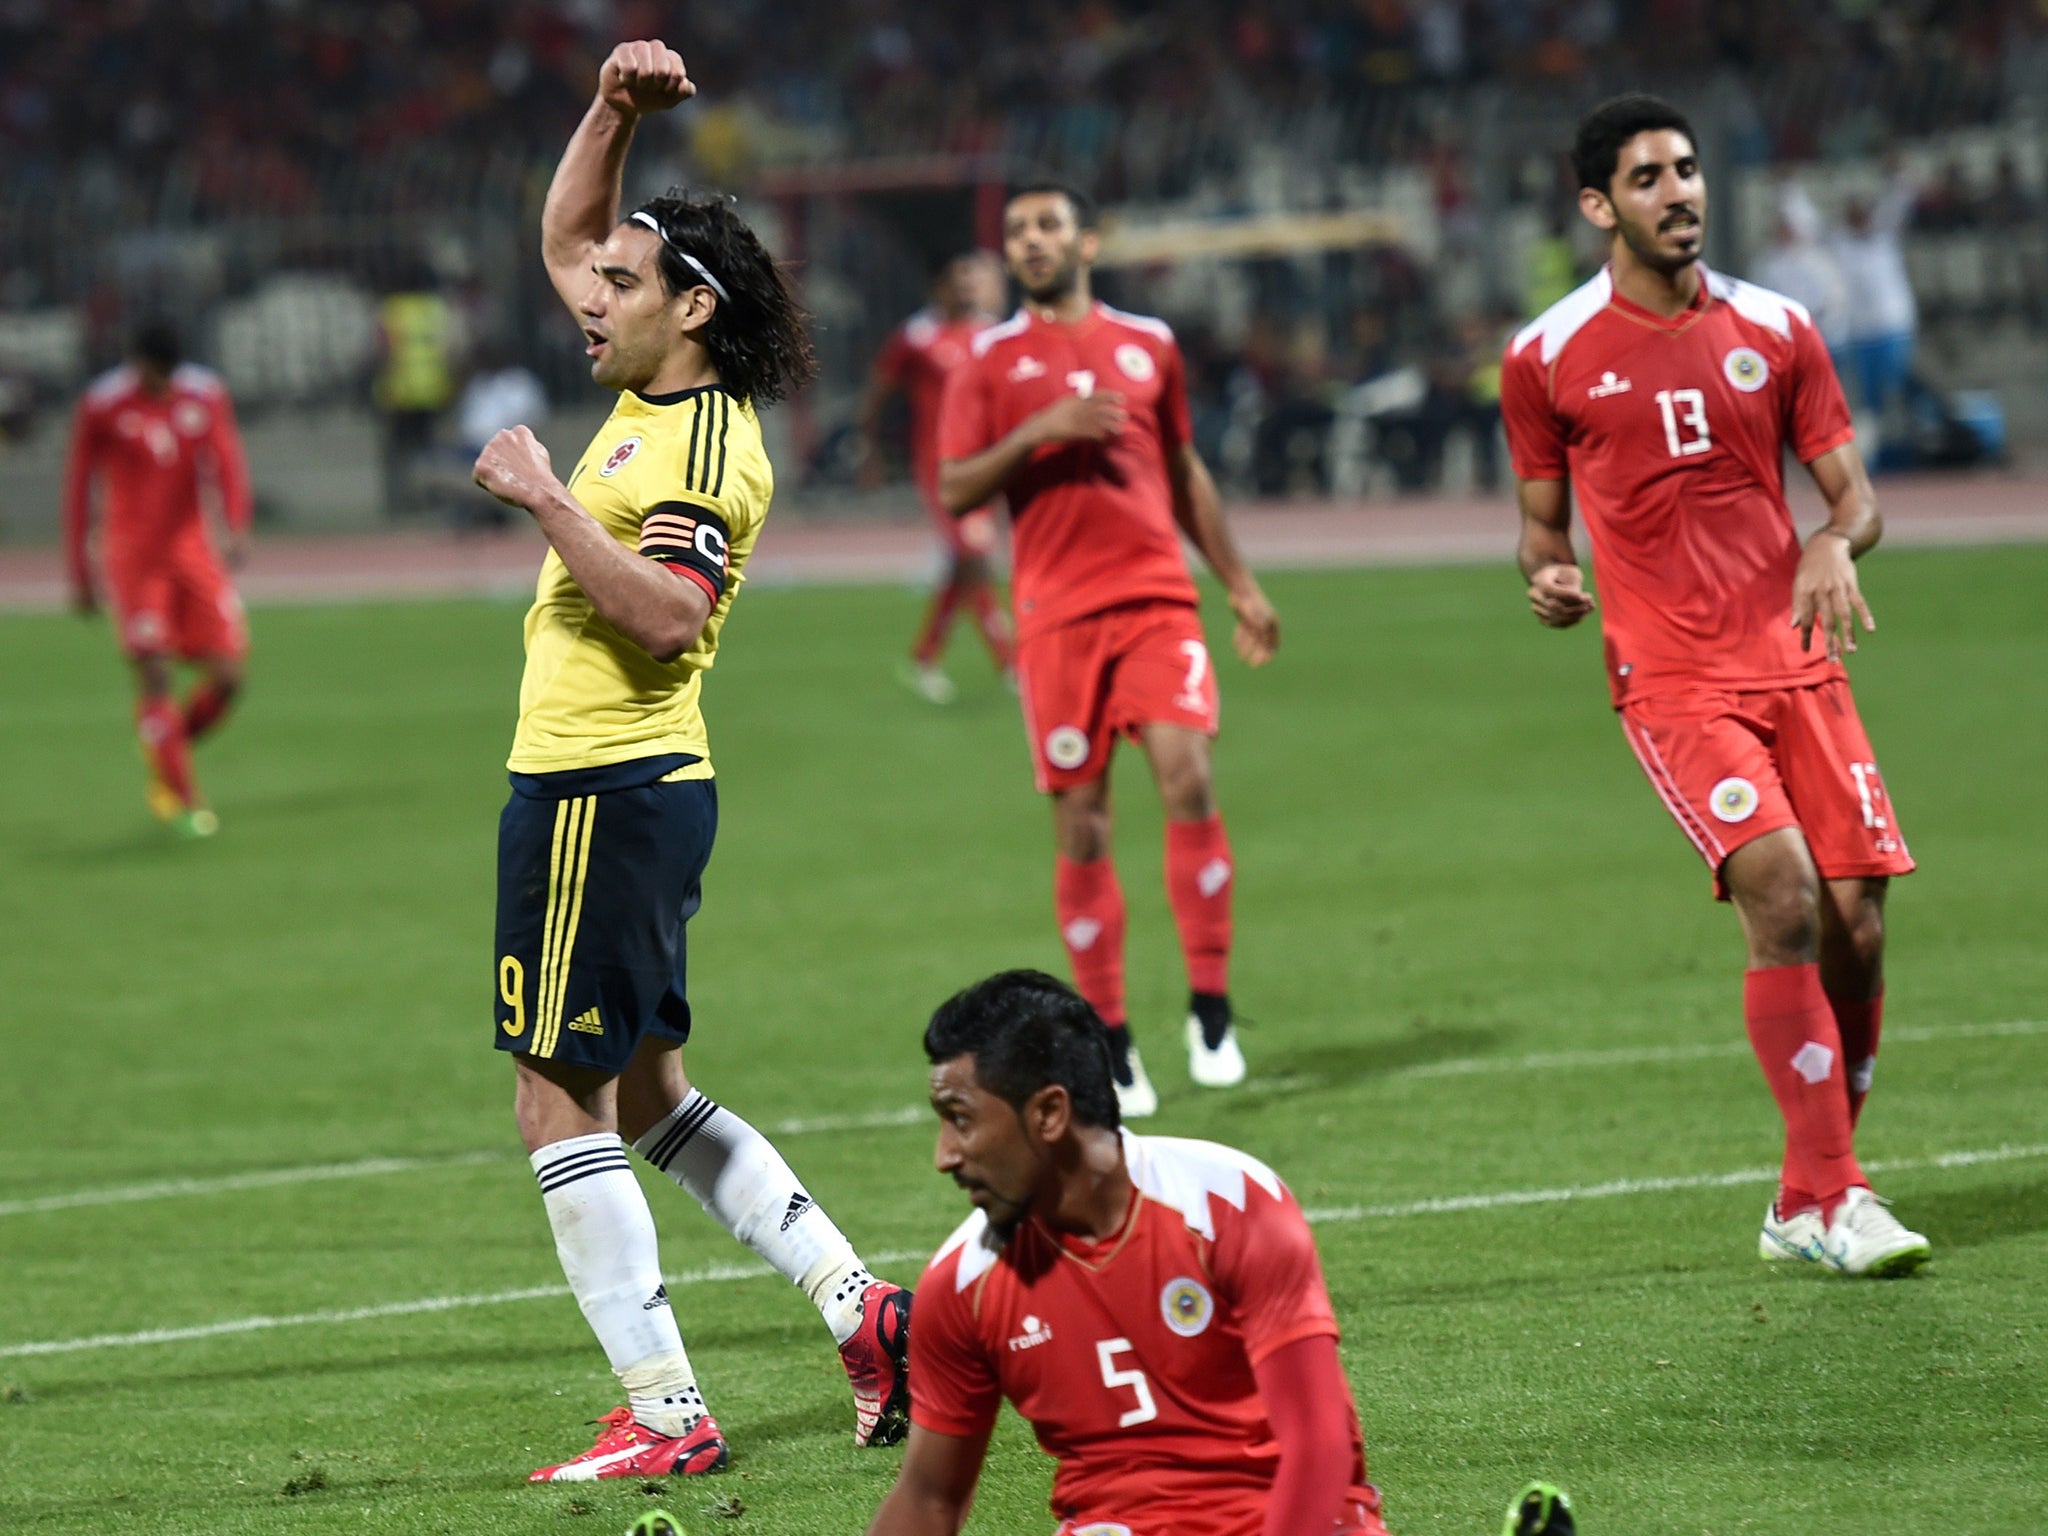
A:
(1666, 396)
(152, 433)
(604, 840)
(1154, 1307)
(1078, 414)
(924, 349)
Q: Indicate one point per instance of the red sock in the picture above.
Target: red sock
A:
(1792, 1029)
(938, 621)
(1199, 876)
(161, 726)
(1090, 905)
(995, 625)
(1860, 1020)
(204, 707)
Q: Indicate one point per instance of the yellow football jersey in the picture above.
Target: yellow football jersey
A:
(684, 479)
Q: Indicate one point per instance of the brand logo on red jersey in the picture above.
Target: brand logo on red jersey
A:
(1609, 385)
(616, 460)
(1746, 370)
(1035, 1333)
(1136, 362)
(1187, 1306)
(1026, 368)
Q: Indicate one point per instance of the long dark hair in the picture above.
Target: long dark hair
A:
(758, 338)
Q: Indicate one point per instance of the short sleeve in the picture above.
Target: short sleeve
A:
(1265, 1266)
(1818, 415)
(953, 1387)
(1536, 434)
(966, 414)
(1175, 430)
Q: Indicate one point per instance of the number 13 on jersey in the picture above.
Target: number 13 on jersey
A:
(1685, 421)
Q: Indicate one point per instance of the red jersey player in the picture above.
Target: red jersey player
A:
(1666, 395)
(150, 432)
(1078, 413)
(919, 355)
(1154, 1307)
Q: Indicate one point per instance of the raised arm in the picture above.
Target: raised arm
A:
(1199, 511)
(653, 606)
(1825, 593)
(582, 205)
(934, 1487)
(1557, 587)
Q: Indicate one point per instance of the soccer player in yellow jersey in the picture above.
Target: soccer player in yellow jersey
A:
(613, 807)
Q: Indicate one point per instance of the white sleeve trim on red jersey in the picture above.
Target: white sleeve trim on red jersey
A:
(116, 380)
(977, 1247)
(200, 380)
(1186, 1174)
(1152, 325)
(1760, 306)
(921, 328)
(1566, 318)
(1016, 325)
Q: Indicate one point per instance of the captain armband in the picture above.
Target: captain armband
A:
(691, 540)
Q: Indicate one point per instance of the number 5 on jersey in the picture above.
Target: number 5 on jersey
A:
(1685, 421)
(1106, 1351)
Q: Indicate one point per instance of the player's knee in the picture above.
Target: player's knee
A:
(1863, 935)
(1784, 921)
(1188, 790)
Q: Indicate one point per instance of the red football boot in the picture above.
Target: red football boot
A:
(877, 1360)
(627, 1448)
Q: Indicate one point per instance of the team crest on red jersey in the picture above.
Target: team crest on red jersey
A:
(617, 459)
(1135, 362)
(1734, 800)
(1187, 1306)
(1746, 370)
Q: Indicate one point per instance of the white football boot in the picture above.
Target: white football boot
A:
(1136, 1099)
(1222, 1067)
(1865, 1238)
(1791, 1238)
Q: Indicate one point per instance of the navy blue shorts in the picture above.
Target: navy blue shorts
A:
(595, 887)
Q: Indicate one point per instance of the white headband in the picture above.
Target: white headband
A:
(642, 216)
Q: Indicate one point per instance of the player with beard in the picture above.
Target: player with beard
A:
(603, 843)
(1154, 1307)
(1077, 413)
(1665, 396)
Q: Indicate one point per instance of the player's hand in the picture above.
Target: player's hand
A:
(1558, 596)
(1825, 596)
(1083, 418)
(640, 78)
(515, 468)
(1258, 626)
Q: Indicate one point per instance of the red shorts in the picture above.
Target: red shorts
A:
(1096, 678)
(1731, 767)
(184, 607)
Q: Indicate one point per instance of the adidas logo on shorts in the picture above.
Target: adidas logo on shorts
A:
(587, 1023)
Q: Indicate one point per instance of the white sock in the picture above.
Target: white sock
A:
(745, 1186)
(604, 1236)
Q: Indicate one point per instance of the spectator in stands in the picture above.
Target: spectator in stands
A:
(415, 380)
(500, 393)
(1881, 317)
(1800, 265)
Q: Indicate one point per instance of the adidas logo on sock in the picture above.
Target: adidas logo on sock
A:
(798, 1204)
(587, 1023)
(658, 1300)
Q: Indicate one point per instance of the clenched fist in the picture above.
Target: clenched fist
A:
(515, 468)
(1558, 596)
(640, 78)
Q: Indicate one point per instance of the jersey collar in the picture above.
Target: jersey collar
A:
(678, 396)
(1683, 320)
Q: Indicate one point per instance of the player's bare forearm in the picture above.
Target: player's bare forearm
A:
(934, 1488)
(1198, 509)
(965, 484)
(642, 599)
(1825, 593)
(1557, 587)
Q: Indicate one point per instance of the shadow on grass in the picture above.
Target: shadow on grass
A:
(1984, 1213)
(1336, 1066)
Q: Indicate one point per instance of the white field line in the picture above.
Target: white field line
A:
(916, 1114)
(1439, 1206)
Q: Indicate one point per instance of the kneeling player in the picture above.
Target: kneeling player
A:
(1153, 1306)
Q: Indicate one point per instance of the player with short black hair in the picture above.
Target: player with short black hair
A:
(1664, 397)
(1153, 1306)
(603, 843)
(1078, 414)
(156, 435)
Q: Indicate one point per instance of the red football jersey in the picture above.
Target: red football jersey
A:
(1673, 434)
(916, 360)
(1091, 523)
(1132, 1358)
(149, 453)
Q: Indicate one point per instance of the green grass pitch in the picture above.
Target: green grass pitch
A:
(1449, 863)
